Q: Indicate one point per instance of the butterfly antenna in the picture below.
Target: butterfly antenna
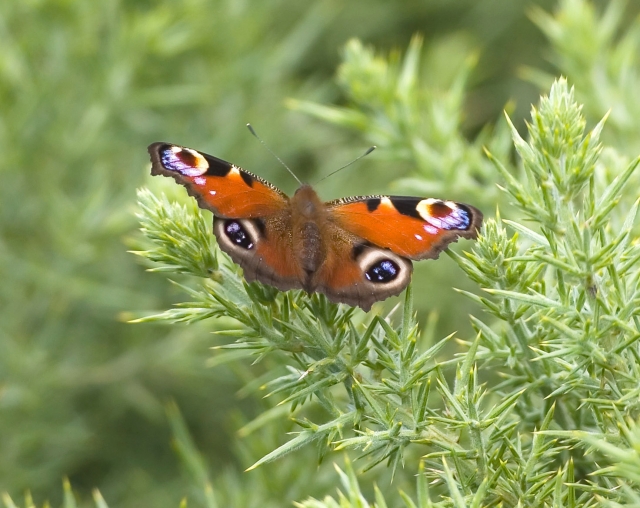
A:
(371, 149)
(272, 153)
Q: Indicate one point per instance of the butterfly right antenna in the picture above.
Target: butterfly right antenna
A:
(369, 150)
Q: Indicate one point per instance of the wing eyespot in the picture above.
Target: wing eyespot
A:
(183, 160)
(382, 272)
(238, 235)
(382, 268)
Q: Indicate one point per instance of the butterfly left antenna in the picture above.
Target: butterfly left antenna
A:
(271, 152)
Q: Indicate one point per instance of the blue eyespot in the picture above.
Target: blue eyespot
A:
(454, 218)
(183, 160)
(383, 271)
(238, 235)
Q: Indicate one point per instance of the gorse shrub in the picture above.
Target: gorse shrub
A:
(391, 106)
(535, 403)
(548, 381)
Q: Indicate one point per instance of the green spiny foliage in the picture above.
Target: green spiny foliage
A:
(85, 85)
(390, 106)
(329, 345)
(601, 53)
(561, 356)
(68, 500)
(571, 313)
(565, 293)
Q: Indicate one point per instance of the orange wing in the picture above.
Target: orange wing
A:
(362, 275)
(262, 248)
(415, 228)
(219, 186)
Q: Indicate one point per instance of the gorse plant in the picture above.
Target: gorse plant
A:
(567, 292)
(391, 106)
(559, 362)
(600, 52)
(536, 407)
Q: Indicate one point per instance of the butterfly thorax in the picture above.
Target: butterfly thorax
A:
(308, 221)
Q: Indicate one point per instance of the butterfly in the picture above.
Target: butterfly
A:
(355, 250)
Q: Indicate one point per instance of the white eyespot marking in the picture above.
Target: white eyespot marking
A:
(441, 215)
(418, 237)
(242, 243)
(423, 207)
(212, 192)
(397, 268)
(200, 180)
(201, 162)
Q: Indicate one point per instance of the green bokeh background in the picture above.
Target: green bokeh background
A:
(85, 86)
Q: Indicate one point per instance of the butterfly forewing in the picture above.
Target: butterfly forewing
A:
(219, 186)
(416, 228)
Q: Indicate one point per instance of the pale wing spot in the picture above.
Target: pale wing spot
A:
(455, 217)
(423, 207)
(375, 256)
(438, 223)
(200, 180)
(201, 162)
(386, 202)
(174, 162)
(235, 170)
(418, 237)
(212, 192)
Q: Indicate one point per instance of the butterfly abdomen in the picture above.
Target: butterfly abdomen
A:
(308, 231)
(310, 251)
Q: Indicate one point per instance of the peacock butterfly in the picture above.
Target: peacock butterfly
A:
(356, 250)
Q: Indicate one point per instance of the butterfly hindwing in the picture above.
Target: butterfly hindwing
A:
(414, 228)
(357, 273)
(261, 247)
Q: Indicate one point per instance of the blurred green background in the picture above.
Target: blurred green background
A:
(84, 88)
